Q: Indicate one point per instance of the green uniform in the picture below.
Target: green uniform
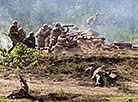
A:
(13, 34)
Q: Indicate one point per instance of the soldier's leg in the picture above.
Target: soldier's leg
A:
(14, 43)
(10, 95)
(47, 42)
(98, 77)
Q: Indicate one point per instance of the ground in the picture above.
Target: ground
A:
(61, 77)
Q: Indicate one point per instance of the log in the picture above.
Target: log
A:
(123, 44)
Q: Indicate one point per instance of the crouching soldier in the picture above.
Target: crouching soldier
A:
(61, 42)
(42, 34)
(22, 92)
(30, 41)
(22, 34)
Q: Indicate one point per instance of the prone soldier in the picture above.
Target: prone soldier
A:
(99, 73)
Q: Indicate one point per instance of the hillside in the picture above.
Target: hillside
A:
(62, 78)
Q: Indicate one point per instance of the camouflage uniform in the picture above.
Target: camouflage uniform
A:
(42, 34)
(13, 34)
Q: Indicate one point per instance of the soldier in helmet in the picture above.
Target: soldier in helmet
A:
(22, 34)
(30, 41)
(42, 34)
(62, 41)
(93, 22)
(55, 33)
(13, 34)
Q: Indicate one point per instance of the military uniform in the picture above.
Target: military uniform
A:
(98, 74)
(30, 41)
(22, 34)
(92, 23)
(42, 34)
(61, 43)
(54, 35)
(13, 34)
(21, 93)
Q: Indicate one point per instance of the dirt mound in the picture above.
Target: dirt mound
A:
(94, 46)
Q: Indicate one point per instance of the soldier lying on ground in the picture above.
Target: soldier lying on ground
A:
(30, 41)
(22, 92)
(99, 73)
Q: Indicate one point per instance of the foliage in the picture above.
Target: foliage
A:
(125, 89)
(118, 18)
(21, 56)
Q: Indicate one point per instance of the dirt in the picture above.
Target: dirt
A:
(68, 86)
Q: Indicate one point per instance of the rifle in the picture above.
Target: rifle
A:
(109, 70)
(5, 33)
(21, 78)
(68, 25)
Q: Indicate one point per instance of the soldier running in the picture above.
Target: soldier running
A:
(13, 34)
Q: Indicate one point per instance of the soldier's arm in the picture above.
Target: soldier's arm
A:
(67, 29)
(38, 33)
(11, 31)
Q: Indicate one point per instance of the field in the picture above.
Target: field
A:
(61, 77)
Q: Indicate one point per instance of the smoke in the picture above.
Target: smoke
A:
(5, 20)
(115, 15)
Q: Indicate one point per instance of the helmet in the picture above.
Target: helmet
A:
(15, 21)
(75, 28)
(57, 24)
(45, 25)
(31, 33)
(96, 14)
(20, 29)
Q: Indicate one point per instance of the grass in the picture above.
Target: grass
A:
(125, 89)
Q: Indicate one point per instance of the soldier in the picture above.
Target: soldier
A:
(30, 41)
(99, 73)
(23, 92)
(42, 34)
(92, 23)
(61, 42)
(13, 34)
(54, 34)
(22, 34)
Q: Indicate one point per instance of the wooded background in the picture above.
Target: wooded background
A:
(118, 18)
